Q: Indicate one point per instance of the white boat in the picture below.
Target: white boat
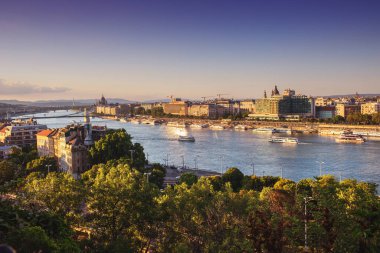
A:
(240, 127)
(350, 138)
(136, 121)
(187, 138)
(198, 126)
(124, 120)
(283, 140)
(217, 127)
(151, 122)
(283, 130)
(264, 130)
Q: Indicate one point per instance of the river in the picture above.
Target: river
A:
(219, 150)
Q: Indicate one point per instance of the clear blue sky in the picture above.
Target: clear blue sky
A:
(151, 49)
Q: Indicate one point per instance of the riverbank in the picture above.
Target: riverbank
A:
(297, 127)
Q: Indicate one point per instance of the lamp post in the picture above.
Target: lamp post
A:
(282, 172)
(195, 162)
(183, 161)
(132, 151)
(221, 165)
(253, 168)
(306, 199)
(147, 176)
(147, 158)
(48, 167)
(320, 167)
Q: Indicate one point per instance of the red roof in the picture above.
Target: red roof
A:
(45, 132)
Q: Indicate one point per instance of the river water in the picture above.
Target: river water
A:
(219, 150)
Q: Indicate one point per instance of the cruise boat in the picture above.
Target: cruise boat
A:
(151, 122)
(350, 138)
(217, 127)
(187, 138)
(241, 127)
(264, 130)
(283, 140)
(283, 130)
(124, 120)
(198, 126)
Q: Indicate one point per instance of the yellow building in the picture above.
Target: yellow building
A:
(176, 107)
(345, 109)
(370, 108)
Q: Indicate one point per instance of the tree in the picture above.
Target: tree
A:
(188, 178)
(41, 164)
(8, 171)
(121, 207)
(157, 176)
(59, 192)
(235, 177)
(114, 145)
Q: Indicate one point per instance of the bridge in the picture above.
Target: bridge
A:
(72, 115)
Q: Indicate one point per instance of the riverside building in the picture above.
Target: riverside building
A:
(70, 145)
(288, 106)
(20, 132)
(370, 108)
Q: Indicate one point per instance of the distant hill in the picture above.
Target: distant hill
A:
(352, 95)
(63, 102)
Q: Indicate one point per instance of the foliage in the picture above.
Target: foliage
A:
(114, 145)
(188, 178)
(58, 192)
(8, 171)
(235, 177)
(120, 206)
(41, 164)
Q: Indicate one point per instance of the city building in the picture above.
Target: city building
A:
(177, 107)
(370, 108)
(70, 145)
(20, 132)
(325, 112)
(345, 109)
(104, 108)
(321, 101)
(6, 151)
(248, 106)
(287, 106)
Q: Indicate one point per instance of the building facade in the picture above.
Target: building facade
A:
(370, 108)
(70, 145)
(287, 106)
(20, 133)
(345, 109)
(177, 107)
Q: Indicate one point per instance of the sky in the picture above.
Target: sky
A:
(140, 50)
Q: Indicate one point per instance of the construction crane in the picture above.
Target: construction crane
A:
(219, 95)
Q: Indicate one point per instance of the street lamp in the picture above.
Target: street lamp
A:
(147, 158)
(195, 162)
(282, 172)
(147, 176)
(306, 199)
(320, 167)
(132, 151)
(221, 165)
(183, 161)
(48, 167)
(253, 168)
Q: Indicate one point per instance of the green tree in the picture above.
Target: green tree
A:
(121, 207)
(117, 144)
(41, 164)
(8, 171)
(235, 177)
(188, 178)
(59, 192)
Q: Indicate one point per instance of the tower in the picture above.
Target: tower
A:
(87, 129)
